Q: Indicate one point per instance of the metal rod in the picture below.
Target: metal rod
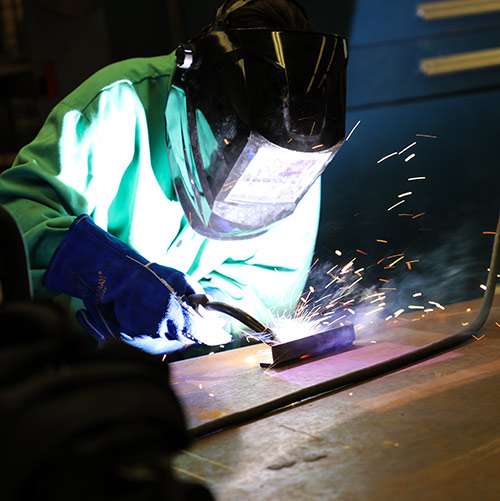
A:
(376, 370)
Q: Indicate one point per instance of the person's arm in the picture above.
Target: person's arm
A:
(74, 168)
(43, 204)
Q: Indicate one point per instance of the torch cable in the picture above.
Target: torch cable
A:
(376, 370)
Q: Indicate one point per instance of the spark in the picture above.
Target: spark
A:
(317, 146)
(227, 141)
(383, 280)
(200, 386)
(382, 242)
(408, 147)
(352, 130)
(420, 178)
(401, 195)
(338, 252)
(229, 186)
(426, 135)
(418, 215)
(409, 157)
(408, 263)
(411, 215)
(395, 205)
(387, 156)
(354, 283)
(362, 252)
(357, 272)
(489, 232)
(417, 294)
(330, 283)
(337, 319)
(483, 287)
(497, 324)
(437, 305)
(394, 255)
(465, 323)
(375, 311)
(394, 262)
(211, 395)
(398, 312)
(414, 307)
(312, 128)
(345, 269)
(352, 312)
(428, 310)
(164, 358)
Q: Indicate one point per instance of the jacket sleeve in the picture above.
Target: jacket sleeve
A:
(62, 173)
(269, 282)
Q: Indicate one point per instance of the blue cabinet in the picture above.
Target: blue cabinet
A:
(454, 121)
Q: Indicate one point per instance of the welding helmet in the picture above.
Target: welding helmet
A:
(253, 118)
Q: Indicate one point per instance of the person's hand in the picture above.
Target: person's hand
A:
(125, 296)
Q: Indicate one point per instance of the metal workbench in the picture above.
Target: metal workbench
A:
(430, 431)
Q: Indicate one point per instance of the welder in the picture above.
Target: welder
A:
(195, 172)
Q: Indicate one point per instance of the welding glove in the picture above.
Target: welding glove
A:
(125, 296)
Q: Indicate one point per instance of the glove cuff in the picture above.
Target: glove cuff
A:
(76, 266)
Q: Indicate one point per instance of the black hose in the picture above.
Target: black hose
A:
(261, 332)
(238, 314)
(370, 372)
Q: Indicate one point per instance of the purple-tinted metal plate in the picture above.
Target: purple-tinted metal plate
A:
(328, 341)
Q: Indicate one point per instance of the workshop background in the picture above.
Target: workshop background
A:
(417, 182)
(400, 90)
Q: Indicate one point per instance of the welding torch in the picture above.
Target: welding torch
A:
(260, 331)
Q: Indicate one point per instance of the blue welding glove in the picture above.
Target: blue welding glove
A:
(125, 296)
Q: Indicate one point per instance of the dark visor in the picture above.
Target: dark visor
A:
(288, 87)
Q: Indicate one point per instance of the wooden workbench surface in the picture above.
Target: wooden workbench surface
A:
(430, 431)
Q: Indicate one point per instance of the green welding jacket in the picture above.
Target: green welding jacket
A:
(102, 151)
